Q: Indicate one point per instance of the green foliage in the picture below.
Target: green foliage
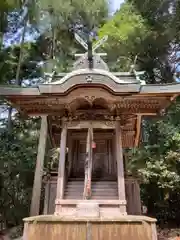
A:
(151, 37)
(157, 163)
(126, 31)
(83, 11)
(5, 7)
(52, 20)
(17, 162)
(150, 30)
(9, 62)
(163, 19)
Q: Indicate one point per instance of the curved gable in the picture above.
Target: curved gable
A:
(106, 74)
(86, 77)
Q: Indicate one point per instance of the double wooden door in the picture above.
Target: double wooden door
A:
(103, 161)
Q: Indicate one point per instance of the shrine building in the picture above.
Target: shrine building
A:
(91, 115)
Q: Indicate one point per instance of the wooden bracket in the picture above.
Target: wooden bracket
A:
(174, 97)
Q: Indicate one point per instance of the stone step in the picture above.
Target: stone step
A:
(93, 184)
(92, 198)
(100, 190)
(92, 187)
(93, 193)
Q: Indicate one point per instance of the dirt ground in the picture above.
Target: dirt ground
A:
(168, 234)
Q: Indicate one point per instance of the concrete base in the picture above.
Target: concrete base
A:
(92, 228)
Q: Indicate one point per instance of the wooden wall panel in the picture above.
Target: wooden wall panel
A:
(133, 197)
(52, 198)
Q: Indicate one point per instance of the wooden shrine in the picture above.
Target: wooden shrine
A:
(91, 115)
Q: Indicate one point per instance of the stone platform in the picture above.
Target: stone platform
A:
(50, 227)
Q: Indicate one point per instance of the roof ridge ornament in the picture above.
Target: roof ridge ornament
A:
(95, 46)
(81, 41)
(90, 59)
(137, 74)
(90, 63)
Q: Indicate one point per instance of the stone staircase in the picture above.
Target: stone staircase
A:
(101, 190)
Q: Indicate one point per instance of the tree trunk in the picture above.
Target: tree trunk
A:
(18, 81)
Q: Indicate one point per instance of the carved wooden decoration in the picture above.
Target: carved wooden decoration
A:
(94, 124)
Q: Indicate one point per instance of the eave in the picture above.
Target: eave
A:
(120, 99)
(166, 89)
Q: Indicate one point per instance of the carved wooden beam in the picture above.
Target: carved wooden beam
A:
(95, 124)
(147, 114)
(125, 111)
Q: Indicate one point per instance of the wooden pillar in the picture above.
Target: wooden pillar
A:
(88, 164)
(70, 154)
(138, 198)
(120, 168)
(36, 194)
(61, 168)
(47, 197)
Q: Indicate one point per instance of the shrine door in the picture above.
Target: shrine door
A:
(104, 164)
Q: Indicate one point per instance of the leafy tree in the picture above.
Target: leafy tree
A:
(158, 166)
(126, 32)
(150, 31)
(132, 33)
(51, 25)
(17, 162)
(163, 18)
